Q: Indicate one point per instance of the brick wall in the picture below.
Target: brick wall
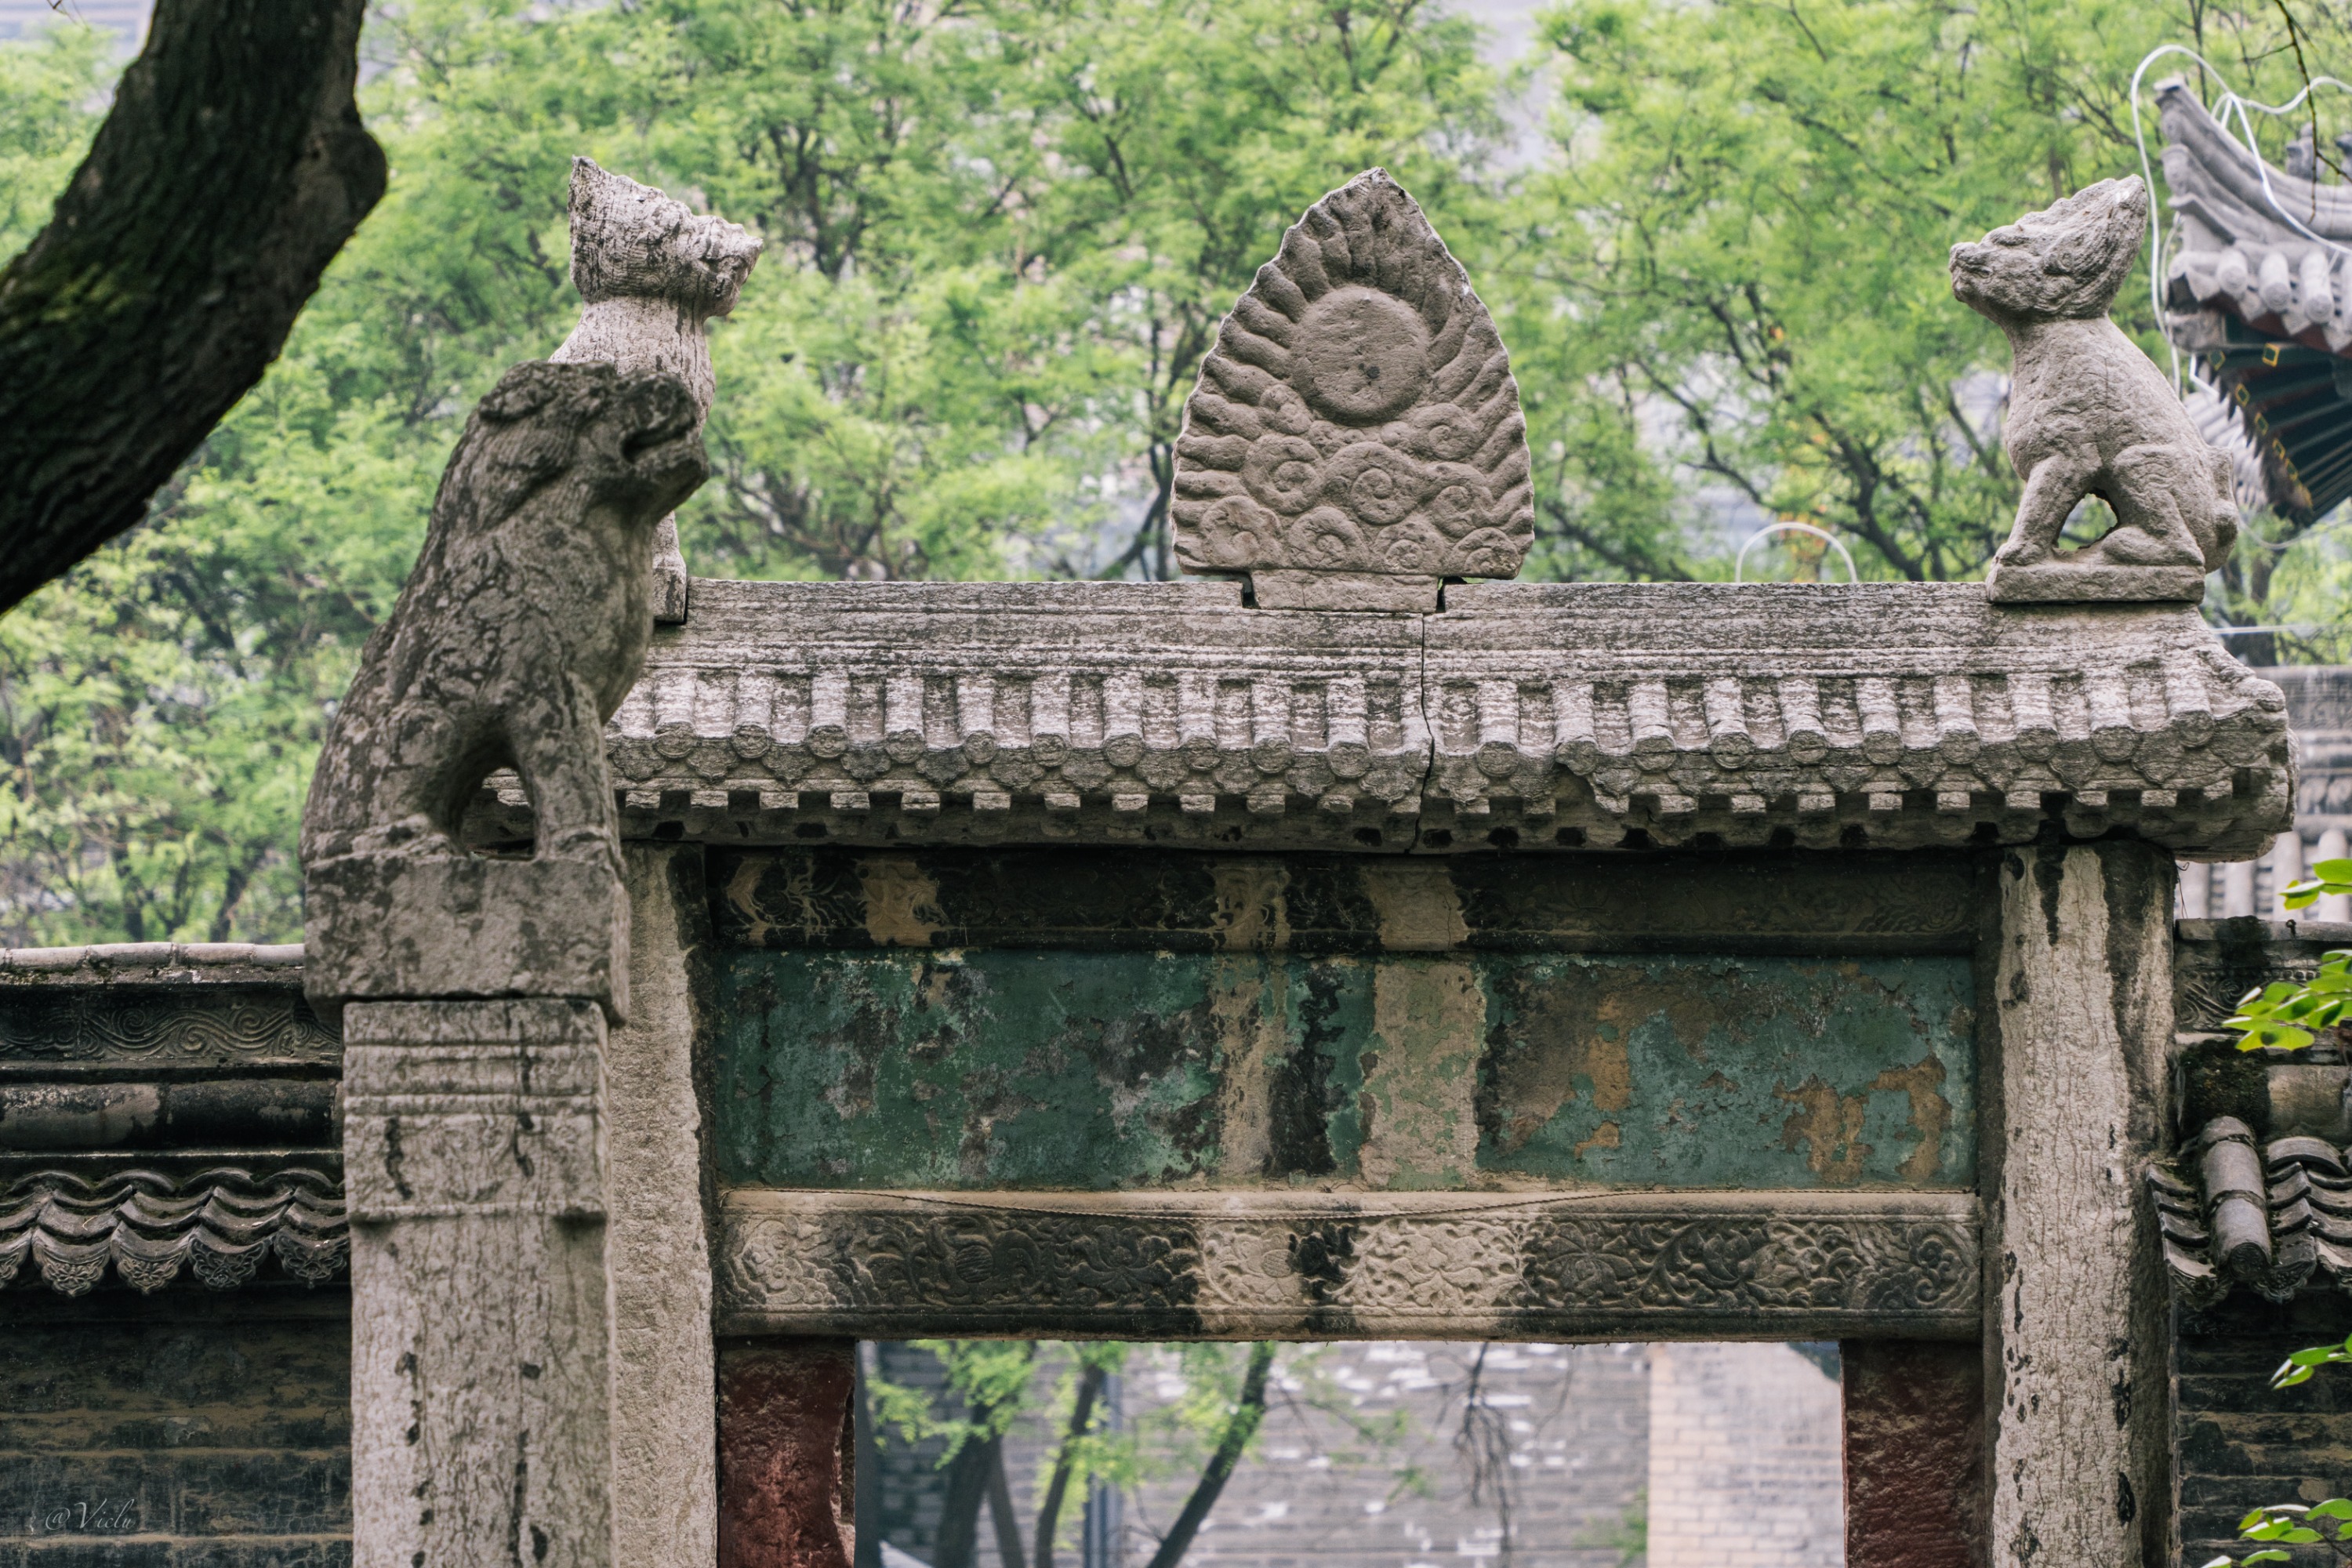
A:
(182, 1430)
(2239, 1443)
(1747, 1461)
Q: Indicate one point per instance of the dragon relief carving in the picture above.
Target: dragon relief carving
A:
(1355, 436)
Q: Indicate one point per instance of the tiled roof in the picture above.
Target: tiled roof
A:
(2273, 1217)
(220, 1223)
(1884, 715)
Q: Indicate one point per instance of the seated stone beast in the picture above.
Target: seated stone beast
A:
(2089, 414)
(521, 626)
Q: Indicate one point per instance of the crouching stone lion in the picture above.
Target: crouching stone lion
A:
(2089, 414)
(519, 631)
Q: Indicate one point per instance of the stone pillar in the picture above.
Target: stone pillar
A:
(2196, 901)
(1914, 1454)
(2286, 870)
(474, 1159)
(2238, 889)
(665, 1436)
(786, 1449)
(2076, 1326)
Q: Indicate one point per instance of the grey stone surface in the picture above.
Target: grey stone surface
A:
(2076, 1329)
(1777, 1265)
(657, 1253)
(2089, 414)
(479, 1320)
(1355, 434)
(651, 274)
(517, 634)
(1570, 715)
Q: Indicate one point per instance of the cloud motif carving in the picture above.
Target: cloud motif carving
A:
(1356, 413)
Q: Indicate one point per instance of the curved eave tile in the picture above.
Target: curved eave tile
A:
(1890, 716)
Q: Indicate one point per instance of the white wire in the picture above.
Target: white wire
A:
(2230, 102)
(1739, 565)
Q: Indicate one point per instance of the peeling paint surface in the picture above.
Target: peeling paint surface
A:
(1028, 1068)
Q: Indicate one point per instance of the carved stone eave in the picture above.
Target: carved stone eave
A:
(1523, 716)
(1293, 1265)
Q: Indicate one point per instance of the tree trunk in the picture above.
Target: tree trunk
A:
(1247, 1414)
(968, 1483)
(231, 169)
(1082, 1414)
(999, 1512)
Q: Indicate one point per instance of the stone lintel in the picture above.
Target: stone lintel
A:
(1306, 1266)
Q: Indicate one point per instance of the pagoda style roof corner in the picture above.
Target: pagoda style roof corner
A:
(1521, 716)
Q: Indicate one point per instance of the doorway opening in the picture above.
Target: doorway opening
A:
(1381, 1454)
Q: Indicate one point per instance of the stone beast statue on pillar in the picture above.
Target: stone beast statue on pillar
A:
(2089, 414)
(518, 634)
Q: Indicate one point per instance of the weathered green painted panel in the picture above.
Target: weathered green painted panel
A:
(1106, 1070)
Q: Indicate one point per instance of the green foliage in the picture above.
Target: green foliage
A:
(1734, 276)
(2284, 1015)
(2290, 1524)
(2299, 1367)
(52, 95)
(1001, 235)
(1628, 1535)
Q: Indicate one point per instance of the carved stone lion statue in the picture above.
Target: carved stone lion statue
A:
(2090, 414)
(519, 631)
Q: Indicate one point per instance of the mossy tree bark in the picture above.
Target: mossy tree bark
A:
(231, 169)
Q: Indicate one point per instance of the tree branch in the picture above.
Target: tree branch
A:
(231, 169)
(1247, 1413)
(1082, 1414)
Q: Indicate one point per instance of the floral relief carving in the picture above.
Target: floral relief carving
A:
(903, 1263)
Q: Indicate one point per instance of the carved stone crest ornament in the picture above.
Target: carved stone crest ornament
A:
(1355, 436)
(2089, 414)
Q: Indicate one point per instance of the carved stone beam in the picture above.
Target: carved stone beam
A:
(2090, 415)
(652, 274)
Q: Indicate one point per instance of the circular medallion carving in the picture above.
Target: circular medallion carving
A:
(1362, 356)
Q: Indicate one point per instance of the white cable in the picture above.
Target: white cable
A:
(1739, 565)
(2230, 102)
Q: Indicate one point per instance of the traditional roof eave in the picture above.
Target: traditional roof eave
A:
(1596, 715)
(2247, 244)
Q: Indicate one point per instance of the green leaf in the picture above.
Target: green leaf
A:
(2276, 1037)
(2339, 872)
